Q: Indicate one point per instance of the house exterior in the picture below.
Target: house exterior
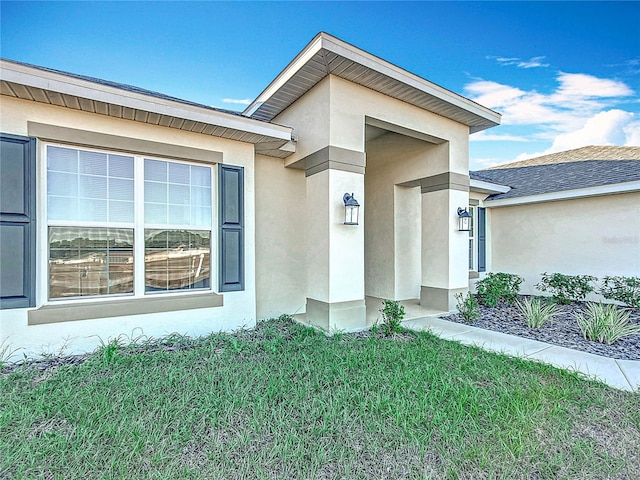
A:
(575, 212)
(128, 212)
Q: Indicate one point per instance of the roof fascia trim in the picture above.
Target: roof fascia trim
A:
(380, 65)
(627, 187)
(63, 84)
(355, 54)
(285, 75)
(487, 187)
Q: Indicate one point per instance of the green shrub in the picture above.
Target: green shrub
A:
(566, 288)
(392, 315)
(606, 323)
(498, 286)
(622, 289)
(468, 306)
(537, 312)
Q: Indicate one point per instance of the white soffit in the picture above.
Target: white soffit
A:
(44, 86)
(328, 55)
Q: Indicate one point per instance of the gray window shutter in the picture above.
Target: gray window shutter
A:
(482, 244)
(17, 221)
(231, 205)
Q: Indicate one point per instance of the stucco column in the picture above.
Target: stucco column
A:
(445, 261)
(335, 253)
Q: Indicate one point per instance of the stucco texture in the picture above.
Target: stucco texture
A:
(591, 236)
(239, 308)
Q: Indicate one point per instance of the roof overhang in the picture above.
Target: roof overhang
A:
(487, 187)
(327, 55)
(55, 88)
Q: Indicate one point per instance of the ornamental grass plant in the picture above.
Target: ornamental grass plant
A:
(536, 312)
(606, 323)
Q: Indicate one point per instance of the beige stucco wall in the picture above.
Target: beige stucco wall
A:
(310, 118)
(351, 103)
(335, 112)
(239, 307)
(281, 249)
(394, 213)
(592, 236)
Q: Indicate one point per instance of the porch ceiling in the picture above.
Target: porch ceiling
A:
(125, 102)
(327, 55)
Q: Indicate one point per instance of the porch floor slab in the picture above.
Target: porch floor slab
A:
(412, 309)
(620, 374)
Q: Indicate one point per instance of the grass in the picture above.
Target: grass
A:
(284, 401)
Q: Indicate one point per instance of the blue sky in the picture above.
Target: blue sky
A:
(563, 75)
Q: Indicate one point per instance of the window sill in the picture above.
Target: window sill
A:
(122, 308)
(473, 274)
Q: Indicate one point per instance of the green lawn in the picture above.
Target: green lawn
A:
(284, 401)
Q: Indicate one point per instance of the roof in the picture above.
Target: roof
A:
(559, 177)
(591, 152)
(79, 92)
(327, 55)
(124, 86)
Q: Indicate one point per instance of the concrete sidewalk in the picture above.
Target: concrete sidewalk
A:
(620, 374)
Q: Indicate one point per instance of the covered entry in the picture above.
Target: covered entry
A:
(411, 244)
(400, 144)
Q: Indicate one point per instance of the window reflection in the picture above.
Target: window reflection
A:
(177, 259)
(90, 261)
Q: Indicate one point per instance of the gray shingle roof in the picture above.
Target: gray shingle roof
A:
(540, 179)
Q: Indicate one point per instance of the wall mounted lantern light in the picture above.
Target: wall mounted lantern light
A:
(351, 209)
(464, 220)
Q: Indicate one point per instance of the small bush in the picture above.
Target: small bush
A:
(498, 286)
(468, 306)
(392, 315)
(606, 323)
(622, 289)
(566, 288)
(537, 312)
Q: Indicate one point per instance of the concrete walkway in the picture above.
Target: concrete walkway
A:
(620, 374)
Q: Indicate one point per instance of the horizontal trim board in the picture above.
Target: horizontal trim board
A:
(333, 158)
(122, 308)
(628, 187)
(374, 122)
(124, 144)
(445, 181)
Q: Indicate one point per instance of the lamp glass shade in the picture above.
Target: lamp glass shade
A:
(464, 220)
(351, 209)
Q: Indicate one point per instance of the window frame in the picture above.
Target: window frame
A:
(139, 290)
(473, 239)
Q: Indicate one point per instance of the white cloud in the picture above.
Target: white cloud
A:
(490, 137)
(582, 85)
(632, 133)
(482, 163)
(604, 128)
(581, 110)
(576, 98)
(534, 62)
(493, 94)
(611, 127)
(241, 101)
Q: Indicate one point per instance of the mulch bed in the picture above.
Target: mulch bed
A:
(562, 331)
